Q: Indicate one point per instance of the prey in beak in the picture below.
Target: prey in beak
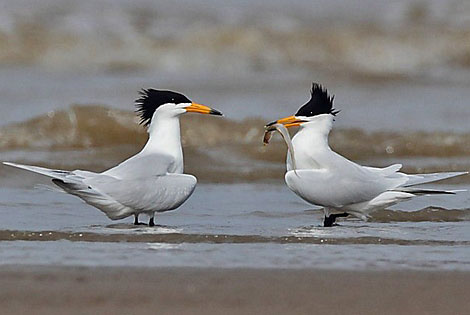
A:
(291, 121)
(202, 109)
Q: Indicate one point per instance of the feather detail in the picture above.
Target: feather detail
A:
(151, 99)
(320, 103)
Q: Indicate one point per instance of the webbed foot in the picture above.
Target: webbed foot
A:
(330, 220)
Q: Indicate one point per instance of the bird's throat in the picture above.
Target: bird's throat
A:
(311, 145)
(165, 138)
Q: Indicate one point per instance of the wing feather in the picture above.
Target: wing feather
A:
(152, 193)
(143, 165)
(332, 189)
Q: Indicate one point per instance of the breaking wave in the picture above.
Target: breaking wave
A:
(84, 127)
(98, 137)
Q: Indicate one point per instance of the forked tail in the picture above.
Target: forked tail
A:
(421, 191)
(417, 179)
(58, 174)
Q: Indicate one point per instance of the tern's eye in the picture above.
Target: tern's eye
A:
(172, 99)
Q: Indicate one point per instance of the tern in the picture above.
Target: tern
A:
(324, 178)
(148, 182)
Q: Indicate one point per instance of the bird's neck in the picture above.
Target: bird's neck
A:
(165, 138)
(311, 149)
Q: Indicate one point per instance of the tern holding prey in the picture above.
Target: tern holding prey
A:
(148, 182)
(322, 177)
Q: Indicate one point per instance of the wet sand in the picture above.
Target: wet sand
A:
(78, 290)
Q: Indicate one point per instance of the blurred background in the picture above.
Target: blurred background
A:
(70, 72)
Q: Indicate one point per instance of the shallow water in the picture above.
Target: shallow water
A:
(236, 225)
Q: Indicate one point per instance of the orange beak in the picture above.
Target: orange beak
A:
(290, 121)
(202, 109)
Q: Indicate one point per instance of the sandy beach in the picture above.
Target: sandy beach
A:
(80, 290)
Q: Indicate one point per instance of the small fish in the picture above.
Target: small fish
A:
(268, 134)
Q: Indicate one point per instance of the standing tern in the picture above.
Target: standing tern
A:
(148, 182)
(322, 177)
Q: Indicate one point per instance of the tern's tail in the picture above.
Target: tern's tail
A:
(421, 191)
(58, 174)
(417, 179)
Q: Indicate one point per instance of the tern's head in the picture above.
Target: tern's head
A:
(320, 103)
(167, 104)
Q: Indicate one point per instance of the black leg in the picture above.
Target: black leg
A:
(151, 223)
(329, 221)
(136, 220)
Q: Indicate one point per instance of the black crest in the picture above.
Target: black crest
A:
(151, 99)
(320, 103)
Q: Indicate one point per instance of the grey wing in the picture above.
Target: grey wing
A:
(414, 179)
(386, 171)
(75, 183)
(417, 179)
(119, 198)
(143, 165)
(67, 176)
(153, 193)
(333, 189)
